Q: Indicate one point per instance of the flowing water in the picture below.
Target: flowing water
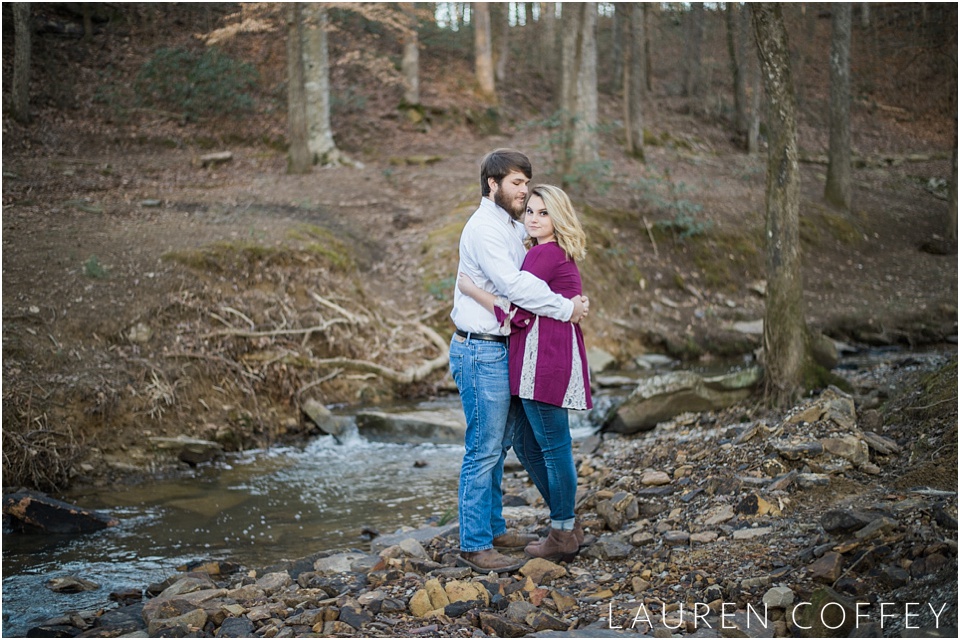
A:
(257, 509)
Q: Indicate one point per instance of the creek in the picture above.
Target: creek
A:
(256, 509)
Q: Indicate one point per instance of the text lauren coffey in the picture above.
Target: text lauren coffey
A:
(832, 615)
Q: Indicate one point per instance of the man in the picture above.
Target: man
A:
(491, 253)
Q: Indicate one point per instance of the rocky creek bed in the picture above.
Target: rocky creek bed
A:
(836, 518)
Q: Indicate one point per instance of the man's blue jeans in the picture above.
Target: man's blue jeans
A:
(544, 446)
(479, 367)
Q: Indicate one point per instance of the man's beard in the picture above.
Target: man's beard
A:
(513, 208)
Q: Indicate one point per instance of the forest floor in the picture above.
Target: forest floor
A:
(146, 294)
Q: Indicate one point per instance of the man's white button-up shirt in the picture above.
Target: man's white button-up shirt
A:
(491, 253)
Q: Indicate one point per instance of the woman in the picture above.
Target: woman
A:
(548, 365)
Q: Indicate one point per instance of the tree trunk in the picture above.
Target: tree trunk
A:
(748, 60)
(410, 65)
(548, 43)
(784, 327)
(692, 64)
(298, 160)
(865, 15)
(21, 62)
(580, 88)
(316, 69)
(87, 23)
(503, 48)
(951, 231)
(648, 9)
(738, 65)
(838, 188)
(483, 51)
(633, 82)
(620, 25)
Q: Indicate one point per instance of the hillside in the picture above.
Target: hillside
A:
(147, 294)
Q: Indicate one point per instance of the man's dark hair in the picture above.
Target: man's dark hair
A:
(500, 163)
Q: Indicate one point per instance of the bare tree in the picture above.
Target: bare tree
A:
(579, 106)
(784, 327)
(316, 69)
(548, 41)
(748, 58)
(410, 64)
(633, 79)
(648, 10)
(21, 62)
(838, 188)
(692, 60)
(503, 48)
(951, 234)
(298, 159)
(483, 50)
(738, 68)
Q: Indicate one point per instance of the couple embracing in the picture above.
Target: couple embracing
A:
(518, 359)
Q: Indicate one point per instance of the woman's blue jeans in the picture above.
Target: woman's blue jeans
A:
(544, 446)
(479, 367)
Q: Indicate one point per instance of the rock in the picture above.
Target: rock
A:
(235, 628)
(186, 624)
(664, 396)
(849, 448)
(213, 159)
(824, 351)
(459, 591)
(413, 548)
(420, 605)
(839, 408)
(778, 597)
(330, 424)
(33, 510)
(719, 515)
(750, 533)
(653, 361)
(422, 535)
(827, 615)
(599, 360)
(190, 450)
(876, 528)
(274, 582)
(71, 584)
(500, 627)
(655, 478)
(880, 444)
(827, 568)
(703, 537)
(437, 426)
(542, 571)
(337, 563)
(674, 538)
(837, 521)
(140, 333)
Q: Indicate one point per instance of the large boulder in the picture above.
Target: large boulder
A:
(446, 426)
(659, 398)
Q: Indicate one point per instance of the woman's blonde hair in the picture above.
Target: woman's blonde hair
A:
(566, 224)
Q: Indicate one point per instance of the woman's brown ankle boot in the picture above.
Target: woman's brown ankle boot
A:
(558, 545)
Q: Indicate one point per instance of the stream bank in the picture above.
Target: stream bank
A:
(717, 511)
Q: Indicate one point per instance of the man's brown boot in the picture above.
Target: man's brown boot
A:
(513, 541)
(558, 545)
(488, 560)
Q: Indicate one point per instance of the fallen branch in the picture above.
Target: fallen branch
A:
(353, 318)
(278, 332)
